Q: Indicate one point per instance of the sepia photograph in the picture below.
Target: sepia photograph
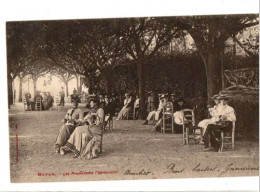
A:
(133, 98)
(171, 96)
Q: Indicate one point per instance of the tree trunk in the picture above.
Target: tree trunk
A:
(10, 91)
(141, 83)
(67, 88)
(77, 84)
(20, 89)
(34, 85)
(213, 71)
(108, 84)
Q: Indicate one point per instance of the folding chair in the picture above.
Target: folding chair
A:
(167, 118)
(189, 128)
(228, 138)
(38, 104)
(26, 106)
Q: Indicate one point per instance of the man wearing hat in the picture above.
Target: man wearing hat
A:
(72, 118)
(226, 115)
(165, 104)
(155, 113)
(214, 113)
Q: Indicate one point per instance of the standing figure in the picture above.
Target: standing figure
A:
(62, 96)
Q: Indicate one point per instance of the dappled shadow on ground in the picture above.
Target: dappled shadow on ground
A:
(130, 149)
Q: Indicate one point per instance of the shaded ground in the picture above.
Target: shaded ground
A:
(131, 151)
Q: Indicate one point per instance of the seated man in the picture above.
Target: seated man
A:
(167, 104)
(214, 113)
(71, 120)
(128, 103)
(224, 123)
(155, 113)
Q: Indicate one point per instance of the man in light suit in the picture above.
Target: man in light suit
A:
(224, 122)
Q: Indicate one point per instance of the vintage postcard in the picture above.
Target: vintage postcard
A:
(133, 98)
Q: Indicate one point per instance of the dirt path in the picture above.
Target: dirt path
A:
(131, 151)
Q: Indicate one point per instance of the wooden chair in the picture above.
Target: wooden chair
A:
(189, 128)
(167, 115)
(102, 132)
(58, 106)
(228, 138)
(26, 106)
(130, 114)
(38, 104)
(109, 123)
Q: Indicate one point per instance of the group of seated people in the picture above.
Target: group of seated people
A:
(46, 101)
(221, 117)
(174, 103)
(81, 131)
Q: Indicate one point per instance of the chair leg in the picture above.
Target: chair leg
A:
(222, 142)
(187, 136)
(233, 140)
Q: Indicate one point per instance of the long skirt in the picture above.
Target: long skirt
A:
(93, 145)
(178, 117)
(204, 124)
(64, 135)
(124, 111)
(78, 138)
(85, 141)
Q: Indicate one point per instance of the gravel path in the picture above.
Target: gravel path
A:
(131, 151)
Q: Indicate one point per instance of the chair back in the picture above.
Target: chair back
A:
(38, 104)
(188, 117)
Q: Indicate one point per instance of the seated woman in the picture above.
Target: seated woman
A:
(223, 123)
(72, 118)
(128, 103)
(86, 139)
(214, 113)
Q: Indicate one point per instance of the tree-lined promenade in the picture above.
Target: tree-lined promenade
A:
(100, 49)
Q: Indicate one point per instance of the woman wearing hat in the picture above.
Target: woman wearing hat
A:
(72, 117)
(214, 113)
(84, 134)
(128, 103)
(224, 122)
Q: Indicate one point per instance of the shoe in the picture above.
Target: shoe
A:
(75, 156)
(62, 152)
(201, 142)
(145, 123)
(207, 149)
(57, 150)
